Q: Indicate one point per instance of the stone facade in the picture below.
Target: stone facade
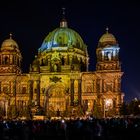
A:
(59, 80)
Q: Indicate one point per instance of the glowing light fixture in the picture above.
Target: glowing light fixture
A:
(108, 103)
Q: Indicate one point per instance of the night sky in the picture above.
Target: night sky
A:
(31, 20)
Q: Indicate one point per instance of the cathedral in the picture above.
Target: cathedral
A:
(58, 82)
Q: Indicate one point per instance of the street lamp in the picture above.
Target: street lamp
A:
(107, 105)
(6, 109)
(88, 106)
(67, 98)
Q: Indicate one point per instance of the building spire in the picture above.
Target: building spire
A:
(63, 22)
(63, 12)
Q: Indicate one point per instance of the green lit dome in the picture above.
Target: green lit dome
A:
(62, 38)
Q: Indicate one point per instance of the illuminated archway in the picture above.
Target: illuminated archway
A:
(57, 98)
(4, 99)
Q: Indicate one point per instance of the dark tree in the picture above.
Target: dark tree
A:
(124, 110)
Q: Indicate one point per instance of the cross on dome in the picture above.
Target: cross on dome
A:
(10, 35)
(107, 29)
(63, 22)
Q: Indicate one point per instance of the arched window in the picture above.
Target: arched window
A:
(5, 60)
(23, 90)
(0, 60)
(63, 61)
(5, 89)
(109, 87)
(88, 88)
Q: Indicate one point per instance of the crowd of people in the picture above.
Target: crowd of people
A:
(71, 129)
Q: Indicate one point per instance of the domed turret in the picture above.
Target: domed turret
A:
(107, 53)
(9, 45)
(107, 39)
(10, 56)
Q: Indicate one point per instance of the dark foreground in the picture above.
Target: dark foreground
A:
(89, 129)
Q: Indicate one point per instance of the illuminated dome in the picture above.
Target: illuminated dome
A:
(62, 38)
(107, 37)
(9, 45)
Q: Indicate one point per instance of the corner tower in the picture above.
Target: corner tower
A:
(108, 72)
(108, 53)
(10, 57)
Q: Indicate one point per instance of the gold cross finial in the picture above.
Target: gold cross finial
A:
(107, 29)
(10, 35)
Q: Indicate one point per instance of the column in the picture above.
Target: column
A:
(15, 96)
(101, 86)
(0, 60)
(103, 107)
(46, 102)
(114, 103)
(14, 87)
(98, 86)
(49, 63)
(67, 60)
(30, 85)
(70, 59)
(6, 109)
(79, 92)
(72, 91)
(10, 87)
(115, 85)
(14, 90)
(0, 87)
(87, 64)
(94, 86)
(103, 55)
(38, 92)
(119, 84)
(119, 100)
